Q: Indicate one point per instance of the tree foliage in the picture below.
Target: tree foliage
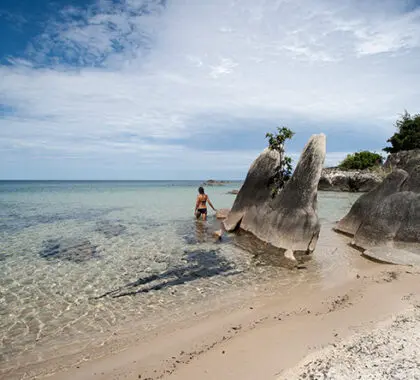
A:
(361, 160)
(276, 142)
(407, 136)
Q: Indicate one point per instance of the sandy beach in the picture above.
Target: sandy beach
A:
(280, 337)
(216, 310)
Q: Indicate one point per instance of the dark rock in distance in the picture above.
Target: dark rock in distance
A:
(212, 182)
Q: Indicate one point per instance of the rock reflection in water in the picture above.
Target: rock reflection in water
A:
(200, 264)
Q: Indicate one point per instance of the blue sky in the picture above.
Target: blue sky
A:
(187, 89)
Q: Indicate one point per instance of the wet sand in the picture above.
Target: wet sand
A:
(267, 336)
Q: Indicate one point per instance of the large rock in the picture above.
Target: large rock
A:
(335, 179)
(406, 159)
(289, 219)
(222, 213)
(389, 215)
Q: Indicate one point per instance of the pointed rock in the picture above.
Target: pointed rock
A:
(289, 220)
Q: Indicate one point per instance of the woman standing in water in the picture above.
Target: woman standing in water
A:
(200, 205)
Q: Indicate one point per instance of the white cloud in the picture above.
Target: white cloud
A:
(156, 72)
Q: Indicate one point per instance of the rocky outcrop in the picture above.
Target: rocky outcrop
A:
(289, 219)
(212, 182)
(234, 192)
(389, 215)
(406, 160)
(335, 179)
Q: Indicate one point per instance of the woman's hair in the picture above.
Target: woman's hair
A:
(201, 190)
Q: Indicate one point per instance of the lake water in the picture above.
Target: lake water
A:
(80, 261)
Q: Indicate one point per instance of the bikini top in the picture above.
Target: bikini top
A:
(203, 199)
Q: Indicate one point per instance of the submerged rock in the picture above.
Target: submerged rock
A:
(335, 179)
(70, 250)
(387, 216)
(289, 219)
(218, 234)
(234, 192)
(110, 229)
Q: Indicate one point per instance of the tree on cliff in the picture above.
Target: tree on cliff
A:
(276, 142)
(407, 136)
(361, 161)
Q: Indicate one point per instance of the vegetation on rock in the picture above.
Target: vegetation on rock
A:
(276, 142)
(407, 136)
(361, 161)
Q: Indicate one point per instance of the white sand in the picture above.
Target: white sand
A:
(391, 351)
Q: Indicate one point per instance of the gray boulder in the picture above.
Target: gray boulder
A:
(257, 188)
(406, 159)
(335, 179)
(389, 215)
(287, 220)
(222, 213)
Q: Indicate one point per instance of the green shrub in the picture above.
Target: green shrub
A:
(408, 135)
(276, 142)
(361, 160)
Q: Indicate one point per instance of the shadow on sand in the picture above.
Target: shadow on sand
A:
(200, 264)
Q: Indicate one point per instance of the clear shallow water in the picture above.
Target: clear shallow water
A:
(80, 260)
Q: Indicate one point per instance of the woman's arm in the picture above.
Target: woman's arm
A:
(208, 199)
(197, 203)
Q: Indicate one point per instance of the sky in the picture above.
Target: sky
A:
(187, 89)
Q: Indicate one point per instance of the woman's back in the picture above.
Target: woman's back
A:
(202, 199)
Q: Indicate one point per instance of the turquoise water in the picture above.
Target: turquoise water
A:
(79, 260)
